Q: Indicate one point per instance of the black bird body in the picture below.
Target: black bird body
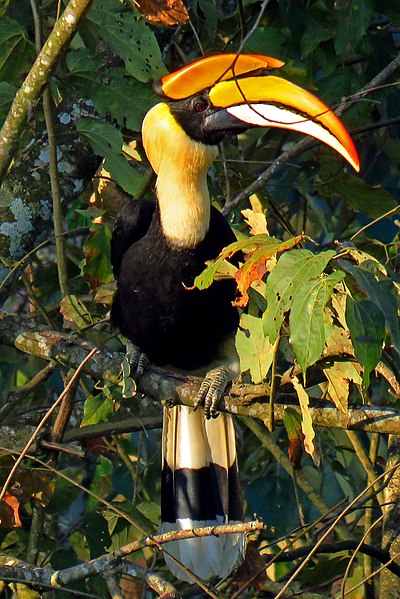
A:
(159, 249)
(154, 306)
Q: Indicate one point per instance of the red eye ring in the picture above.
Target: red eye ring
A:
(200, 106)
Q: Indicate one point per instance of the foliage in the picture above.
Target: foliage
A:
(318, 288)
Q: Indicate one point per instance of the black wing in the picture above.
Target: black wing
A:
(131, 225)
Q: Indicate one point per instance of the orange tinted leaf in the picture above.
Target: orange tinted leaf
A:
(10, 518)
(258, 264)
(169, 12)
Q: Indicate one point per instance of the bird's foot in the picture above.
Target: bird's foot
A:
(211, 390)
(137, 360)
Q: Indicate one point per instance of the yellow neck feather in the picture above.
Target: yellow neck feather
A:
(181, 165)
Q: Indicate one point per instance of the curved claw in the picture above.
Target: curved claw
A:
(211, 390)
(137, 360)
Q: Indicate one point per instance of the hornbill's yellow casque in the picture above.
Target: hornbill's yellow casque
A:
(157, 251)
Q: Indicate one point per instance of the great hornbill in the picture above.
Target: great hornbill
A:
(157, 251)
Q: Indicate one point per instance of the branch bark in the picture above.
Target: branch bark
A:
(110, 563)
(158, 385)
(26, 218)
(38, 76)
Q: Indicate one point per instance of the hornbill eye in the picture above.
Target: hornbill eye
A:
(200, 104)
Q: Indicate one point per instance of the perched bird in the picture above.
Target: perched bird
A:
(159, 248)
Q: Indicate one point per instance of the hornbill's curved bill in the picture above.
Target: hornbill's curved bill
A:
(158, 249)
(236, 98)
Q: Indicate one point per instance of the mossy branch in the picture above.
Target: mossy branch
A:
(159, 385)
(37, 78)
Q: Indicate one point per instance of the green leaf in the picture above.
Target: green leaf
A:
(367, 329)
(95, 528)
(313, 36)
(293, 270)
(75, 311)
(292, 423)
(267, 37)
(97, 408)
(112, 92)
(150, 510)
(96, 249)
(355, 18)
(209, 9)
(131, 39)
(308, 332)
(372, 200)
(255, 352)
(205, 279)
(17, 53)
(380, 292)
(107, 142)
(7, 94)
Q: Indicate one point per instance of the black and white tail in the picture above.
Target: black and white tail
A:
(200, 487)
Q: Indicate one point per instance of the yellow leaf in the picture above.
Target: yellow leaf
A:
(256, 221)
(338, 389)
(306, 423)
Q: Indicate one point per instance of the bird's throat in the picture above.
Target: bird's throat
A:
(184, 204)
(181, 165)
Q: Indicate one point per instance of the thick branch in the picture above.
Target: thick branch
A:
(110, 563)
(160, 385)
(38, 76)
(26, 216)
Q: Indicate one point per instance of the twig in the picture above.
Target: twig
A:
(65, 411)
(380, 554)
(281, 550)
(376, 220)
(110, 563)
(283, 461)
(163, 588)
(68, 449)
(254, 27)
(113, 588)
(17, 265)
(359, 548)
(36, 532)
(331, 528)
(62, 270)
(37, 77)
(305, 144)
(43, 422)
(53, 169)
(365, 462)
(378, 571)
(274, 384)
(16, 396)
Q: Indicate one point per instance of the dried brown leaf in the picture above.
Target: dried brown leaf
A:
(168, 12)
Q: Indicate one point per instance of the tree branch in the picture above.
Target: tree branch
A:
(26, 217)
(38, 76)
(159, 385)
(110, 563)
